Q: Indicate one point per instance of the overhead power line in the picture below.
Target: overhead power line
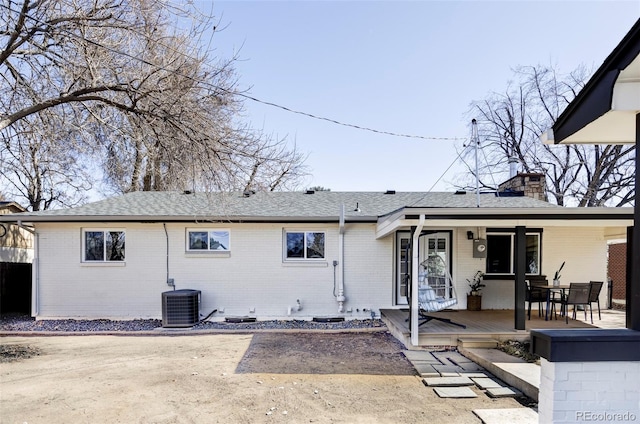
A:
(334, 121)
(246, 96)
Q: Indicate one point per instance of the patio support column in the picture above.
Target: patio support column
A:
(415, 262)
(629, 271)
(520, 284)
(633, 286)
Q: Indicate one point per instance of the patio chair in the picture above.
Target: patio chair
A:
(535, 295)
(594, 296)
(436, 294)
(577, 295)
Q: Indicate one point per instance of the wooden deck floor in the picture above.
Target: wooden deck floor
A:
(494, 324)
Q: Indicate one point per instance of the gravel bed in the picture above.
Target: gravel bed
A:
(25, 324)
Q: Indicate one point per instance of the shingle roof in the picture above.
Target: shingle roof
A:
(273, 205)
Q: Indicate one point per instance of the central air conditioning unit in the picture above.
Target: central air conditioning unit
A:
(180, 308)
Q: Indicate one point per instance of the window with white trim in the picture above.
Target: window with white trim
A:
(300, 245)
(208, 240)
(501, 253)
(103, 245)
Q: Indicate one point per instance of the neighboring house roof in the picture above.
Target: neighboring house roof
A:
(604, 110)
(10, 207)
(271, 206)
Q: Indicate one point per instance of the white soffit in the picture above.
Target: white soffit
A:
(618, 125)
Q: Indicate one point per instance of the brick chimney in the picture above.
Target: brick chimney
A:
(525, 184)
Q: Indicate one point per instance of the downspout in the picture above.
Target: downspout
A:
(415, 251)
(340, 298)
(169, 281)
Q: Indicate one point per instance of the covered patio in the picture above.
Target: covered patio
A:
(495, 323)
(481, 325)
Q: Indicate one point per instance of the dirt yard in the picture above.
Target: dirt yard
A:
(224, 378)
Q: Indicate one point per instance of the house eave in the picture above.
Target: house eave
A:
(604, 111)
(506, 217)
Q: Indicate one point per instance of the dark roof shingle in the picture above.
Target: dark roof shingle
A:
(272, 205)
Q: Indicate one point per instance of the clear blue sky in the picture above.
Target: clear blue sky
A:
(403, 67)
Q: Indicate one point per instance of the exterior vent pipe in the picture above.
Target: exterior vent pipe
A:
(513, 166)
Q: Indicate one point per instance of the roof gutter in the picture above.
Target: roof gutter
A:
(14, 218)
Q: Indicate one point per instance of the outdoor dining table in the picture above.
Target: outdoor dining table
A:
(549, 288)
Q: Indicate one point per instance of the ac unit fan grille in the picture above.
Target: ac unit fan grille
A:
(180, 308)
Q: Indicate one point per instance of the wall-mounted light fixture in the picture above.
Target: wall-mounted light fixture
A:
(469, 235)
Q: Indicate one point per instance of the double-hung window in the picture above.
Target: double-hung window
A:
(103, 245)
(501, 253)
(208, 240)
(304, 245)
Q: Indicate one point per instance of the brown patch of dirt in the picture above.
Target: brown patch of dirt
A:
(376, 353)
(17, 352)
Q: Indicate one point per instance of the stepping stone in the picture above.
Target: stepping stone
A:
(419, 355)
(447, 381)
(451, 356)
(449, 374)
(472, 374)
(424, 363)
(500, 392)
(470, 366)
(454, 392)
(448, 368)
(443, 357)
(509, 415)
(486, 383)
(426, 370)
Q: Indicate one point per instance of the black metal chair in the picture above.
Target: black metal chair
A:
(536, 295)
(594, 296)
(577, 295)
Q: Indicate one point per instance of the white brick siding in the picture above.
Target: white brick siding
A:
(584, 250)
(254, 275)
(577, 392)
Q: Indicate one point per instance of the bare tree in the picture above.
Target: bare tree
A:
(509, 127)
(119, 87)
(40, 160)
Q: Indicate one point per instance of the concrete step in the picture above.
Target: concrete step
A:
(477, 343)
(513, 371)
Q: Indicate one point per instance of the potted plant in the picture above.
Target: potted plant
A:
(474, 298)
(556, 276)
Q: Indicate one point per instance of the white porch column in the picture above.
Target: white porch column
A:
(415, 252)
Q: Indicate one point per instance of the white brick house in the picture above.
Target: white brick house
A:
(259, 254)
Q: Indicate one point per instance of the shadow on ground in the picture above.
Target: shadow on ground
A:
(375, 353)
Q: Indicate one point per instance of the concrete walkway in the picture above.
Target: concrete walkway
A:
(451, 374)
(447, 371)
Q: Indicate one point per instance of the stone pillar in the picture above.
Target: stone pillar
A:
(577, 392)
(588, 375)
